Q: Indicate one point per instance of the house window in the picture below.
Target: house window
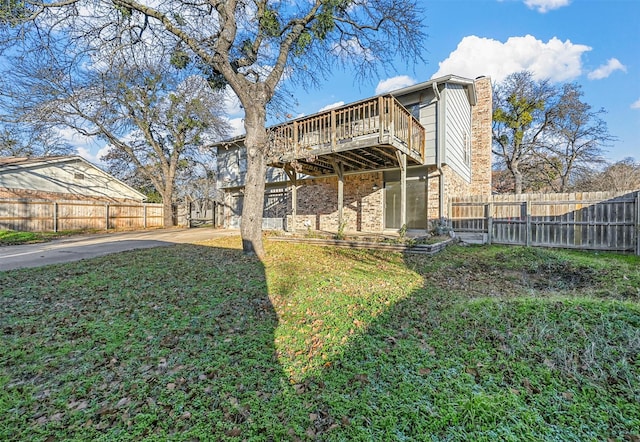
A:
(78, 176)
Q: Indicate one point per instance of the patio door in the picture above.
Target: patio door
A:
(416, 204)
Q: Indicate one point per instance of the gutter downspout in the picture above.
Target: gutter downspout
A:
(439, 152)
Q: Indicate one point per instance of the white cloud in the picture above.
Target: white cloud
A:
(544, 6)
(236, 126)
(393, 83)
(86, 154)
(86, 147)
(331, 106)
(475, 56)
(103, 152)
(352, 48)
(231, 102)
(92, 155)
(636, 104)
(613, 64)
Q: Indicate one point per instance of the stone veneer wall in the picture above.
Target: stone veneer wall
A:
(433, 191)
(454, 184)
(363, 207)
(481, 138)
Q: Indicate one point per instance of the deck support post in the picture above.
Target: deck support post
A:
(339, 169)
(293, 179)
(402, 162)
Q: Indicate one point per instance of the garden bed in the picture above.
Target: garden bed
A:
(428, 245)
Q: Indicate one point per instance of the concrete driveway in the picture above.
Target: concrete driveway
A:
(89, 246)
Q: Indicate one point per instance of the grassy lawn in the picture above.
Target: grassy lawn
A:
(13, 237)
(198, 342)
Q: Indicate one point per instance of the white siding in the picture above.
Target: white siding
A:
(74, 177)
(232, 168)
(427, 103)
(428, 121)
(458, 130)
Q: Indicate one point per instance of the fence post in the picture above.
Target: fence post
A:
(144, 215)
(106, 216)
(489, 216)
(55, 216)
(527, 208)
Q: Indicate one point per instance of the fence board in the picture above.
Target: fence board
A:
(596, 220)
(43, 216)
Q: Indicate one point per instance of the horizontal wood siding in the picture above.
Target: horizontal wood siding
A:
(458, 124)
(47, 216)
(428, 120)
(594, 221)
(71, 177)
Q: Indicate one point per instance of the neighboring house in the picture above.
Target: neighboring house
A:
(61, 178)
(378, 164)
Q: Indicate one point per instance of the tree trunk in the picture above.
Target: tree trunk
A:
(167, 212)
(256, 145)
(167, 201)
(517, 181)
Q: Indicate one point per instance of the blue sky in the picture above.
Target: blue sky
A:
(592, 42)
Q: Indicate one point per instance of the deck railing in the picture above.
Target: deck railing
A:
(382, 118)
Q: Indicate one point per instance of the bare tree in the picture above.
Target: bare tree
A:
(249, 45)
(523, 111)
(619, 176)
(151, 116)
(22, 140)
(575, 140)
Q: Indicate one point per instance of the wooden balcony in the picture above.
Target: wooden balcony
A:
(368, 135)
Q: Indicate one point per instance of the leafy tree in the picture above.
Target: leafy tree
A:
(577, 135)
(249, 45)
(544, 134)
(523, 111)
(540, 172)
(13, 12)
(537, 174)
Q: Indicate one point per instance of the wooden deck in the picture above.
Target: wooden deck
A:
(367, 135)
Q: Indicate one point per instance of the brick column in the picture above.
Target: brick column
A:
(481, 138)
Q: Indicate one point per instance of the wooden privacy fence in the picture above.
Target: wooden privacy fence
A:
(54, 216)
(594, 220)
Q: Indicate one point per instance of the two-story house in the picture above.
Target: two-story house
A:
(374, 165)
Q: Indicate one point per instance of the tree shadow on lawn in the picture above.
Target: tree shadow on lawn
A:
(504, 362)
(197, 343)
(512, 364)
(166, 343)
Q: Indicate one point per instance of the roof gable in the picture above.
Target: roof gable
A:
(16, 165)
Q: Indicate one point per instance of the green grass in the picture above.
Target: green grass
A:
(198, 342)
(13, 237)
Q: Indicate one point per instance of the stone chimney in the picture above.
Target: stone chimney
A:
(481, 138)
